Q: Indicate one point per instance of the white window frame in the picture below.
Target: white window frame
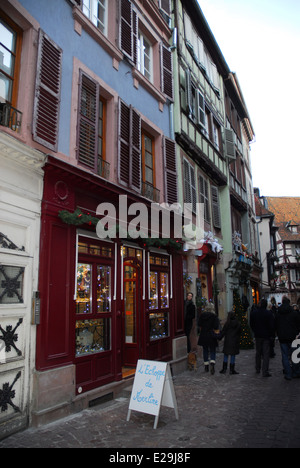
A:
(89, 8)
(141, 55)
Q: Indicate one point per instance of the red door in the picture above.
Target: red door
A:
(131, 314)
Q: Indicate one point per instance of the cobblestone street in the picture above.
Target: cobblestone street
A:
(215, 411)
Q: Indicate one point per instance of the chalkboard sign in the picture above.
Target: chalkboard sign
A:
(152, 388)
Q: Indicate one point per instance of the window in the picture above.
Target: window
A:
(148, 168)
(96, 11)
(189, 185)
(159, 300)
(217, 139)
(144, 57)
(10, 46)
(11, 284)
(93, 298)
(92, 127)
(137, 48)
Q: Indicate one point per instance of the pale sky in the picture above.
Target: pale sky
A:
(260, 41)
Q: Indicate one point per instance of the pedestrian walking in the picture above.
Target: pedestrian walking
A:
(209, 326)
(287, 327)
(232, 333)
(272, 306)
(263, 325)
(189, 315)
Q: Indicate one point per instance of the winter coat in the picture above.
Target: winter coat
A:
(287, 323)
(189, 315)
(262, 323)
(232, 332)
(208, 322)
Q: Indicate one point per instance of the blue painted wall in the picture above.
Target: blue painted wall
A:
(56, 20)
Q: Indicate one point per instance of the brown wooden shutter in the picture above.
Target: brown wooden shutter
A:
(136, 154)
(170, 171)
(87, 121)
(167, 72)
(124, 146)
(126, 28)
(216, 214)
(47, 93)
(129, 147)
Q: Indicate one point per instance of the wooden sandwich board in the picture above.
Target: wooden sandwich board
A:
(152, 388)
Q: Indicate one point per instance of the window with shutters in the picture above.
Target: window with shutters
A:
(91, 127)
(47, 92)
(143, 53)
(200, 54)
(189, 185)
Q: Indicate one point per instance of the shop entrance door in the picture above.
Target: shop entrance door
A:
(131, 314)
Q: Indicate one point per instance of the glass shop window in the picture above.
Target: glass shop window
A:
(159, 297)
(93, 298)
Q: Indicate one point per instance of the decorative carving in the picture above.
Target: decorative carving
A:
(7, 394)
(10, 337)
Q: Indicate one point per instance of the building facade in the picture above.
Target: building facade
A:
(213, 134)
(110, 109)
(280, 247)
(94, 87)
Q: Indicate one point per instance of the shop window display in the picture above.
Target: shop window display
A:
(93, 298)
(92, 336)
(159, 297)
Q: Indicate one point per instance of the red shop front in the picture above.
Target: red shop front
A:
(104, 303)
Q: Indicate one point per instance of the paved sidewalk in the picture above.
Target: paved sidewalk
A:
(215, 411)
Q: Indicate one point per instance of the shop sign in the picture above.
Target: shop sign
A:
(152, 388)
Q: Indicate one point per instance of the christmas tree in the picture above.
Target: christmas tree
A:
(246, 341)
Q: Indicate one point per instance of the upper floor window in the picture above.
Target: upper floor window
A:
(96, 11)
(144, 57)
(10, 46)
(92, 127)
(148, 159)
(142, 53)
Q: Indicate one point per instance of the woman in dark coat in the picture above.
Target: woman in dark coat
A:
(189, 315)
(209, 325)
(232, 333)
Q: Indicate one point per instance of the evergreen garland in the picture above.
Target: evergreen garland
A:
(77, 218)
(246, 341)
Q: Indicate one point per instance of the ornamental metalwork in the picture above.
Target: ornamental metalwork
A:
(10, 337)
(7, 394)
(6, 243)
(11, 287)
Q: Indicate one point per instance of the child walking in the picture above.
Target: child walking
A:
(232, 333)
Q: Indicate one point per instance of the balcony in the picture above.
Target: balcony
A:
(150, 192)
(10, 117)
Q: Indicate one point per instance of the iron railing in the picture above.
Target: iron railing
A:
(150, 192)
(10, 117)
